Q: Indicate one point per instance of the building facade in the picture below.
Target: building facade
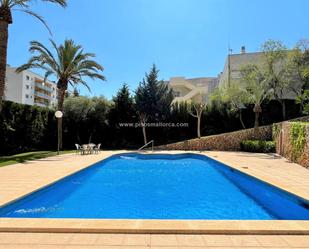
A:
(192, 90)
(234, 63)
(29, 88)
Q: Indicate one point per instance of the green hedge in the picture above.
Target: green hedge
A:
(258, 146)
(26, 128)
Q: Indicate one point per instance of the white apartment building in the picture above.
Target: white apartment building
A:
(192, 90)
(29, 88)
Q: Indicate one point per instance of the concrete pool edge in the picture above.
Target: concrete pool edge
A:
(233, 227)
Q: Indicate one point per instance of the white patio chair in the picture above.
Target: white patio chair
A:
(78, 148)
(97, 149)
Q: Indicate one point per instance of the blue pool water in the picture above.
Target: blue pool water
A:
(185, 186)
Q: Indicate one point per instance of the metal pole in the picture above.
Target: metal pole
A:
(58, 127)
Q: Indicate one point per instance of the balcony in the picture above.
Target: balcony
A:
(41, 104)
(45, 88)
(42, 95)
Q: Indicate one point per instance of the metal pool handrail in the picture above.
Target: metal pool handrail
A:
(145, 145)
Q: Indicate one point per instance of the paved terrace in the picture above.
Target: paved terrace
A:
(21, 179)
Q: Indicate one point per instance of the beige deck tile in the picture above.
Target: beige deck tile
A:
(83, 239)
(190, 240)
(24, 246)
(110, 239)
(137, 240)
(166, 247)
(217, 240)
(244, 240)
(163, 240)
(36, 238)
(7, 238)
(271, 241)
(297, 241)
(29, 238)
(91, 247)
(134, 247)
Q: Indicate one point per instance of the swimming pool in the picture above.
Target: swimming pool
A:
(160, 186)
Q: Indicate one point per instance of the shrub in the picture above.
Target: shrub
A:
(298, 139)
(26, 128)
(258, 146)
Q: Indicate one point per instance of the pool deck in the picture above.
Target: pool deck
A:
(19, 180)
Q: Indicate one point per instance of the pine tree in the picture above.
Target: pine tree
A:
(153, 100)
(123, 111)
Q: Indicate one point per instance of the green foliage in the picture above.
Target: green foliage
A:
(123, 112)
(153, 101)
(254, 83)
(258, 146)
(68, 63)
(276, 131)
(85, 120)
(153, 98)
(26, 128)
(305, 102)
(28, 156)
(298, 138)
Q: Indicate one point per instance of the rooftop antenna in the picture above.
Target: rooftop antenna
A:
(230, 51)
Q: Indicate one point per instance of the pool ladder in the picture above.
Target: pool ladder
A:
(145, 145)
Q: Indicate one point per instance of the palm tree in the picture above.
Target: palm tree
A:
(256, 89)
(6, 8)
(234, 95)
(69, 64)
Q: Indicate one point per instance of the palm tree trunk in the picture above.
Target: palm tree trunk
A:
(4, 34)
(257, 110)
(256, 121)
(61, 95)
(283, 109)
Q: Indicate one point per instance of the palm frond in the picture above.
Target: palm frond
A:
(62, 3)
(68, 62)
(37, 16)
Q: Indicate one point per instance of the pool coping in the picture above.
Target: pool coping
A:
(235, 227)
(256, 227)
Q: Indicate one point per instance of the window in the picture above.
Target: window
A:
(27, 77)
(27, 96)
(27, 87)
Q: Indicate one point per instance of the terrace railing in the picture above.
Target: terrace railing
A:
(145, 145)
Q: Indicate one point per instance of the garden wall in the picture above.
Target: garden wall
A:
(292, 141)
(224, 142)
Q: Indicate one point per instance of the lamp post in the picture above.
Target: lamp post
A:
(59, 115)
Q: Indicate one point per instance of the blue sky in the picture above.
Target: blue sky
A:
(182, 37)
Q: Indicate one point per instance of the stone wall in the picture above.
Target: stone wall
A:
(284, 145)
(224, 142)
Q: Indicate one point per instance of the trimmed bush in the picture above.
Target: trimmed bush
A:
(258, 146)
(26, 128)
